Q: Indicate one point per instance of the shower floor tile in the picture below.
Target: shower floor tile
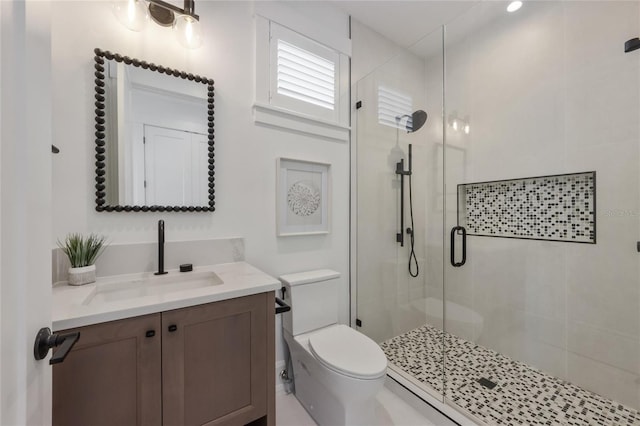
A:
(522, 394)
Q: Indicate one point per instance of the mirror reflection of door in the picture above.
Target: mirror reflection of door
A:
(157, 133)
(175, 174)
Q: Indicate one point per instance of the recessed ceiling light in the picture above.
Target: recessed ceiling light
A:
(514, 5)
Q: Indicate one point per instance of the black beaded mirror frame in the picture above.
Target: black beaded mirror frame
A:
(101, 142)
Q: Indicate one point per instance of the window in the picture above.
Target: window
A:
(302, 85)
(303, 74)
(394, 107)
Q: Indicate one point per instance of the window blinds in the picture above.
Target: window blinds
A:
(305, 76)
(394, 107)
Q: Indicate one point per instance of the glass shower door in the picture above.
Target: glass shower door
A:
(542, 318)
(399, 212)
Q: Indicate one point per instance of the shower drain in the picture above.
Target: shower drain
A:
(487, 383)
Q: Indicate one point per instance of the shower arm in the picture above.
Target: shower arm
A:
(401, 171)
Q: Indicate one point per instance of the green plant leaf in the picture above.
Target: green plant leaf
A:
(83, 251)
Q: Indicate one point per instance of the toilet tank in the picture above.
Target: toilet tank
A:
(313, 297)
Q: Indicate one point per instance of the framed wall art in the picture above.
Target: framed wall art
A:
(303, 197)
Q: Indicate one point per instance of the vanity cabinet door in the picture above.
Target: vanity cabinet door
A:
(218, 363)
(112, 376)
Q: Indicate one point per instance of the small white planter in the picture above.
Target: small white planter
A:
(83, 275)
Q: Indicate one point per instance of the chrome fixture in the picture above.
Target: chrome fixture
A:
(135, 14)
(161, 270)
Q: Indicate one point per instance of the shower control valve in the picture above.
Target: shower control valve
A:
(400, 168)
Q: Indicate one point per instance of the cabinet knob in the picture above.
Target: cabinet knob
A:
(150, 333)
(173, 328)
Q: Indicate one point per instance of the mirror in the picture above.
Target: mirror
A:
(154, 137)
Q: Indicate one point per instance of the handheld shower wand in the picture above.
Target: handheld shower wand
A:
(412, 254)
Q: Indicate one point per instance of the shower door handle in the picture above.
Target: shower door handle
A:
(463, 232)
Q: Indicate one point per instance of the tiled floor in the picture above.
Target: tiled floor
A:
(522, 396)
(390, 410)
(289, 412)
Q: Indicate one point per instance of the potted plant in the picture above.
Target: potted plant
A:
(82, 253)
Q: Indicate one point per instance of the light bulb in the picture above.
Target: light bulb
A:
(188, 32)
(455, 125)
(467, 129)
(133, 14)
(514, 5)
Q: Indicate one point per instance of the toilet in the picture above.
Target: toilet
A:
(337, 371)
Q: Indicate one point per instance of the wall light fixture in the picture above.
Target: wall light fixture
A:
(514, 5)
(460, 124)
(136, 14)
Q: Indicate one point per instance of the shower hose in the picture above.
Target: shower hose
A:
(413, 260)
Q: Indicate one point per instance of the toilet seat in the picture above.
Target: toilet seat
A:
(348, 352)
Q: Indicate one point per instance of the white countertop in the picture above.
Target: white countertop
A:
(70, 307)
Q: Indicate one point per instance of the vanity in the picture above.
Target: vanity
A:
(190, 348)
(185, 348)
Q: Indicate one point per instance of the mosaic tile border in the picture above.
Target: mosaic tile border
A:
(523, 395)
(550, 208)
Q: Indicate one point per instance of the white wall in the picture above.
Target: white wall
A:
(245, 154)
(370, 50)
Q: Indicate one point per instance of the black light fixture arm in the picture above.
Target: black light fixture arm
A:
(189, 8)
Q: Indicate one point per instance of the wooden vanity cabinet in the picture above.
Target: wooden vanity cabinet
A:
(212, 364)
(112, 376)
(215, 369)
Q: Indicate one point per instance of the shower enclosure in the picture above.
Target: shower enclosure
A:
(526, 209)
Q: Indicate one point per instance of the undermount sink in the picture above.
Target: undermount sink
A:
(133, 288)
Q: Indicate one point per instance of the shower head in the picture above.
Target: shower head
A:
(418, 118)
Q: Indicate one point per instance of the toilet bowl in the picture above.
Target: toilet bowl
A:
(337, 371)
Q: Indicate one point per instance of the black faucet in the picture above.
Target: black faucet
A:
(161, 270)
